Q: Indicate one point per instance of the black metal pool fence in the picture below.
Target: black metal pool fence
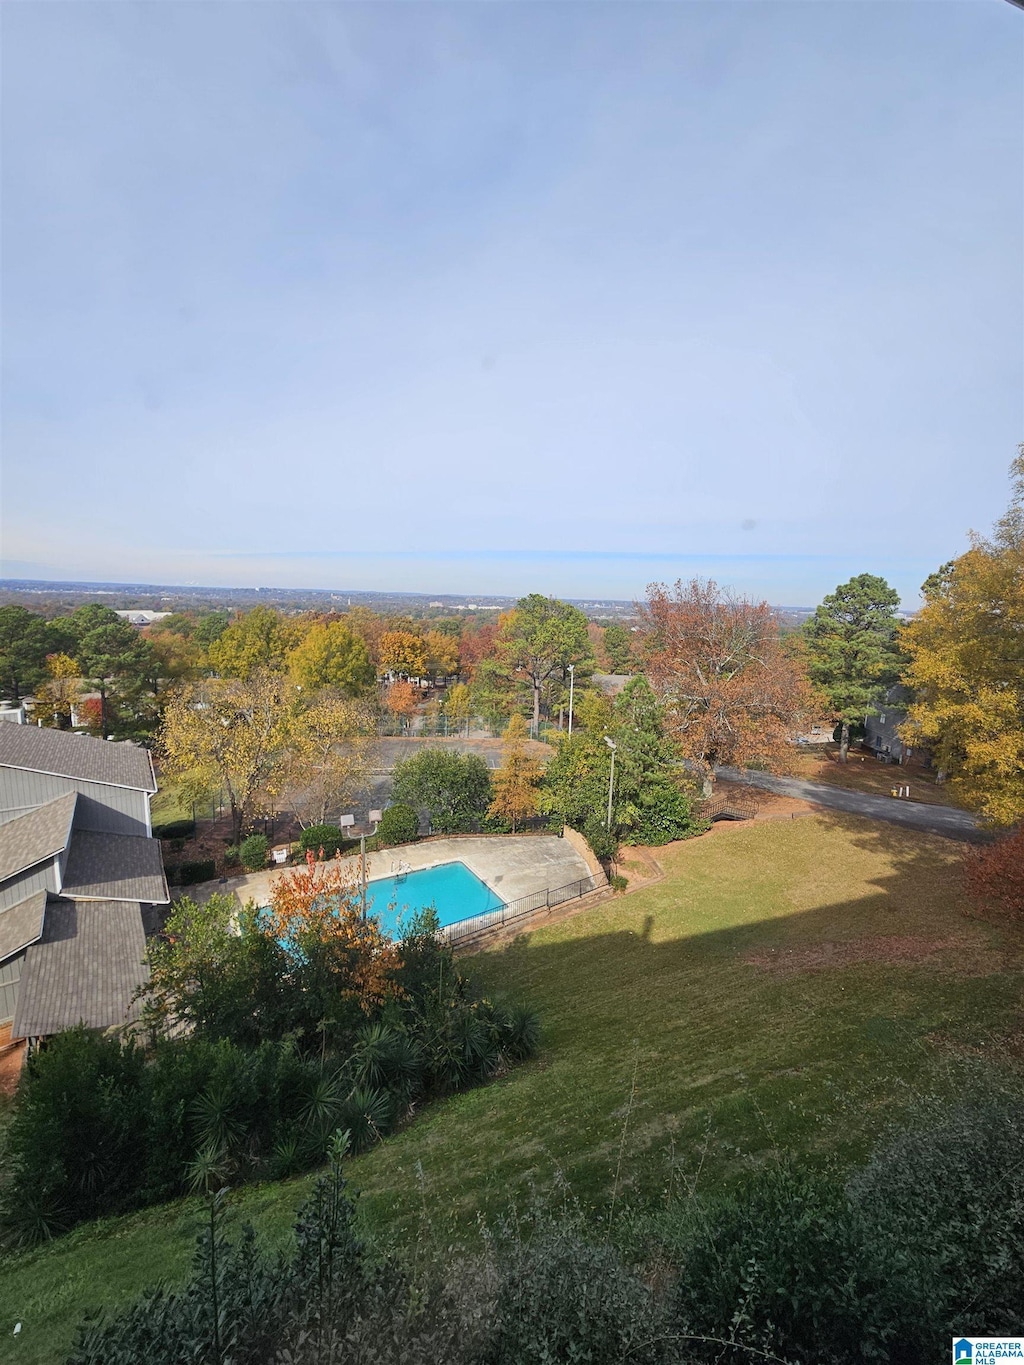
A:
(524, 905)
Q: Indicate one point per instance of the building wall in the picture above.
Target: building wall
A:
(10, 975)
(103, 809)
(25, 884)
(881, 732)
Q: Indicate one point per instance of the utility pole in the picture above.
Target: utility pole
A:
(362, 868)
(611, 781)
(572, 682)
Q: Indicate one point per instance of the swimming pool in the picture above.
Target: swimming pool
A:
(454, 891)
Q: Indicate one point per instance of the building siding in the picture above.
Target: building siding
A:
(25, 884)
(10, 976)
(102, 809)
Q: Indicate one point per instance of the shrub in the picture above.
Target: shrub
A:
(603, 843)
(253, 852)
(189, 873)
(399, 825)
(232, 855)
(660, 813)
(784, 1266)
(174, 829)
(947, 1195)
(618, 883)
(561, 1298)
(73, 1146)
(317, 837)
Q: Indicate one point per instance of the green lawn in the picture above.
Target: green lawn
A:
(667, 1052)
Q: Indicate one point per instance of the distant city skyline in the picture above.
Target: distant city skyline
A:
(509, 297)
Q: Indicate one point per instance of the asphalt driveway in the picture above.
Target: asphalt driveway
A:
(944, 820)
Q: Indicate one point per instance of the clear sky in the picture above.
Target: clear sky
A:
(502, 297)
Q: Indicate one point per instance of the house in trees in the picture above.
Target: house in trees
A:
(881, 731)
(81, 878)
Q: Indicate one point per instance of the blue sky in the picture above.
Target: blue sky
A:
(504, 297)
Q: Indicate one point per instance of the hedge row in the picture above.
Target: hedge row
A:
(189, 873)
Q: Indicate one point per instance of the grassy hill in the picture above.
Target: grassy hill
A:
(787, 986)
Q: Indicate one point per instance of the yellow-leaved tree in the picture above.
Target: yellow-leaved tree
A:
(516, 782)
(61, 689)
(328, 758)
(331, 655)
(966, 669)
(229, 735)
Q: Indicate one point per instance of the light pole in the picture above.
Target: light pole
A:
(572, 681)
(611, 780)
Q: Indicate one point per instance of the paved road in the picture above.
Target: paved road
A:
(953, 824)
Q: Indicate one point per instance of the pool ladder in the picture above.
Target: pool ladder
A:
(400, 870)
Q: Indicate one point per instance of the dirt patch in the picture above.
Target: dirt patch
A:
(638, 865)
(961, 955)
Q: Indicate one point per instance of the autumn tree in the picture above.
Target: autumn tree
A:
(476, 644)
(732, 692)
(331, 655)
(966, 670)
(342, 963)
(228, 734)
(516, 782)
(257, 640)
(177, 656)
(309, 967)
(328, 755)
(442, 654)
(853, 653)
(61, 690)
(403, 654)
(400, 699)
(539, 639)
(458, 705)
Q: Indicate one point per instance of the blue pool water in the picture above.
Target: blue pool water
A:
(454, 891)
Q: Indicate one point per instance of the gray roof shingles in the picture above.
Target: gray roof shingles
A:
(122, 867)
(21, 924)
(66, 754)
(40, 834)
(85, 969)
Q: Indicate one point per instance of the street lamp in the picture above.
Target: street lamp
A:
(572, 681)
(611, 780)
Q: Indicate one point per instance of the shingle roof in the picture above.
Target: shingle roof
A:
(39, 834)
(21, 924)
(122, 867)
(66, 754)
(84, 970)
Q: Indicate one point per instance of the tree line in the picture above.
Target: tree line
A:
(733, 683)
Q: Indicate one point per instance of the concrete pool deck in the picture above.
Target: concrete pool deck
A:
(513, 865)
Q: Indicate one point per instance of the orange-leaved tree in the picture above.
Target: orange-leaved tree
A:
(400, 699)
(733, 690)
(342, 960)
